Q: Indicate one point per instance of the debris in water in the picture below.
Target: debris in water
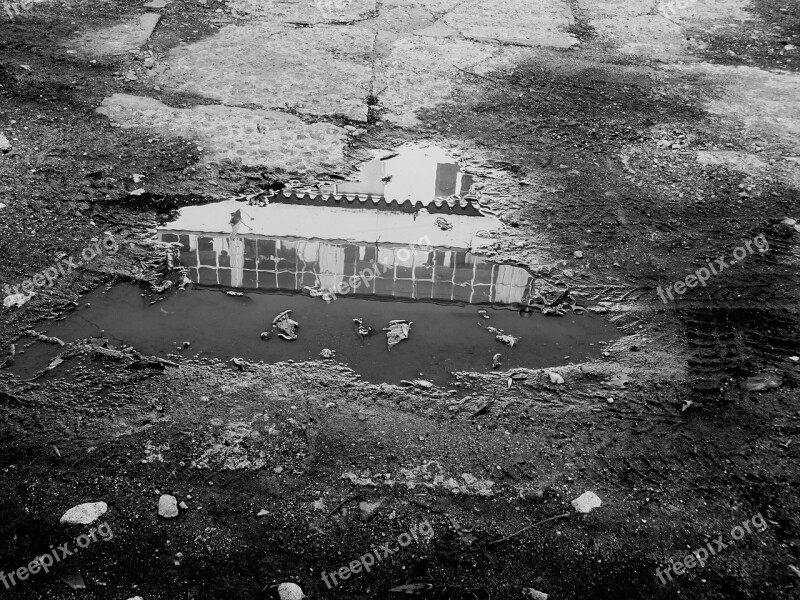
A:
(328, 353)
(362, 330)
(287, 326)
(265, 335)
(586, 502)
(235, 294)
(502, 336)
(422, 383)
(317, 292)
(398, 331)
(161, 288)
(443, 224)
(43, 338)
(496, 360)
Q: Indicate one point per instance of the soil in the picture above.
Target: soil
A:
(684, 452)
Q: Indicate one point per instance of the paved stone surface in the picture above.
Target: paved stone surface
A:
(767, 104)
(438, 30)
(305, 11)
(659, 29)
(419, 72)
(117, 39)
(256, 137)
(323, 70)
(543, 23)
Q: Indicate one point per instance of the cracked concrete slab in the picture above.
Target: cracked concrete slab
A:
(399, 18)
(305, 11)
(659, 29)
(766, 103)
(260, 138)
(321, 71)
(419, 72)
(438, 30)
(543, 23)
(118, 39)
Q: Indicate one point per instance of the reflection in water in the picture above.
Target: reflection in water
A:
(420, 174)
(377, 270)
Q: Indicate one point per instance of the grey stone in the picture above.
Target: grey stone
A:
(86, 513)
(264, 138)
(168, 506)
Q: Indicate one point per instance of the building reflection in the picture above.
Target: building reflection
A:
(386, 271)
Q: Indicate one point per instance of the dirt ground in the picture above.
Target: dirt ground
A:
(650, 167)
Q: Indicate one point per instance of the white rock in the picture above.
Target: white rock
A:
(136, 598)
(533, 594)
(16, 300)
(86, 513)
(586, 502)
(368, 509)
(290, 591)
(555, 377)
(5, 145)
(168, 506)
(262, 513)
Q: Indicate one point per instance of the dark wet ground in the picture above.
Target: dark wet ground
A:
(444, 338)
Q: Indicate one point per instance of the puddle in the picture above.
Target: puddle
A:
(409, 173)
(444, 337)
(382, 261)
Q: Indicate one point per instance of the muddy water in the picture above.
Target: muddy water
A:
(382, 262)
(444, 337)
